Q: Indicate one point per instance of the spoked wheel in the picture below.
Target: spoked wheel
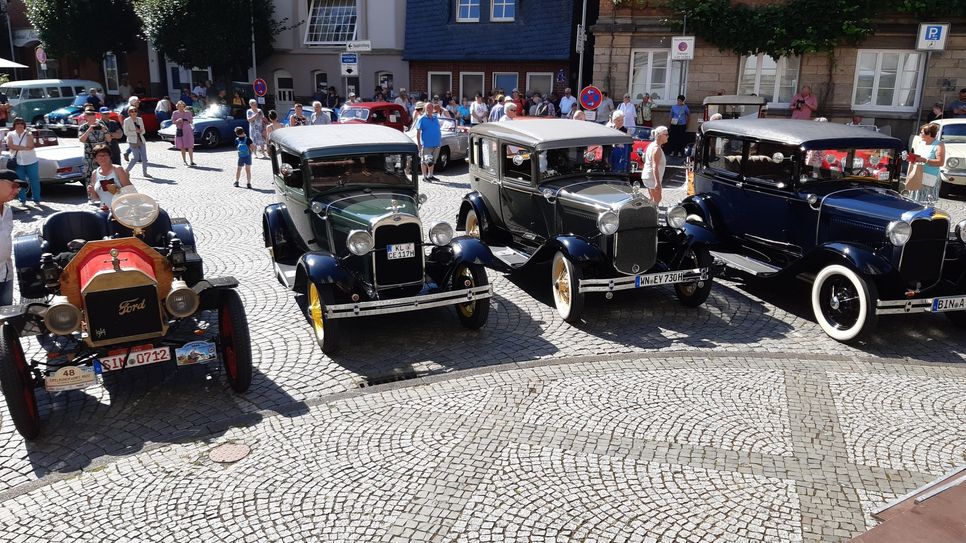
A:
(211, 138)
(844, 303)
(17, 384)
(695, 293)
(326, 329)
(472, 315)
(472, 224)
(565, 279)
(234, 340)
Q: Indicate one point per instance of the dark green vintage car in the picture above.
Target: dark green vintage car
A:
(346, 231)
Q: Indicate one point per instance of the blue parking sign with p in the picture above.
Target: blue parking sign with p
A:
(934, 32)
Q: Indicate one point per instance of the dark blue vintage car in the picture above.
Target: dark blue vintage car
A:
(346, 232)
(545, 191)
(820, 201)
(61, 120)
(212, 127)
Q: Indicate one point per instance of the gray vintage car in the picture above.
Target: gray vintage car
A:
(455, 141)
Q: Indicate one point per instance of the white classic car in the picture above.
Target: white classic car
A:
(952, 133)
(57, 163)
(455, 141)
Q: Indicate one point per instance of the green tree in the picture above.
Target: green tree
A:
(215, 33)
(85, 28)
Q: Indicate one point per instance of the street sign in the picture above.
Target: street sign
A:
(590, 97)
(932, 36)
(581, 38)
(682, 48)
(350, 64)
(260, 87)
(359, 46)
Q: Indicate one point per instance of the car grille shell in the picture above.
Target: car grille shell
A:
(128, 313)
(405, 271)
(921, 262)
(635, 243)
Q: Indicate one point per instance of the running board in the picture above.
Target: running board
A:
(285, 273)
(745, 264)
(509, 256)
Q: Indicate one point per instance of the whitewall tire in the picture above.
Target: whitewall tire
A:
(844, 303)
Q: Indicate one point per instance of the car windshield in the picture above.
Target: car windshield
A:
(954, 133)
(732, 111)
(571, 161)
(214, 112)
(872, 165)
(80, 100)
(373, 169)
(354, 113)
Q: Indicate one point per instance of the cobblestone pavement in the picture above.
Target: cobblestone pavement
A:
(649, 421)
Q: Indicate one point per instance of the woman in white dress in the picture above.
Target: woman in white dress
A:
(652, 174)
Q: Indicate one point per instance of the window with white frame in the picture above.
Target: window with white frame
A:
(471, 83)
(773, 80)
(887, 79)
(506, 81)
(331, 22)
(111, 85)
(503, 10)
(467, 11)
(653, 73)
(440, 83)
(541, 82)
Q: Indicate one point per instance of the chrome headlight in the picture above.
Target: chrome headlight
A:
(953, 162)
(359, 242)
(608, 222)
(899, 232)
(961, 230)
(181, 301)
(676, 217)
(62, 317)
(441, 234)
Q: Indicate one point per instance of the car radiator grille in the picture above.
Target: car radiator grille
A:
(400, 271)
(635, 243)
(123, 313)
(922, 255)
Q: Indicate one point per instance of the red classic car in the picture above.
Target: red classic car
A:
(145, 111)
(642, 139)
(384, 113)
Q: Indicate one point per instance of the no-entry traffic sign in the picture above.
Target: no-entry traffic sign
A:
(590, 97)
(260, 87)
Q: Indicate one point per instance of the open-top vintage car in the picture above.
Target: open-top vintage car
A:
(115, 293)
(346, 231)
(544, 191)
(794, 199)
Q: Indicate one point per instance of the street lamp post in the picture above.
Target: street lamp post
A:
(254, 67)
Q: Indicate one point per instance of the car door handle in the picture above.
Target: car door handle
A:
(739, 184)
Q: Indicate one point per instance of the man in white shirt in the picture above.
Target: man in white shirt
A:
(200, 89)
(319, 116)
(9, 188)
(478, 111)
(567, 102)
(630, 112)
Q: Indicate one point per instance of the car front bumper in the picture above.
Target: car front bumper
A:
(937, 304)
(953, 177)
(411, 303)
(646, 280)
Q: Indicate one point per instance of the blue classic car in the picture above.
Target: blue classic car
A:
(61, 120)
(212, 127)
(794, 199)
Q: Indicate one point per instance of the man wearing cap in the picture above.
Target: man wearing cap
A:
(418, 111)
(10, 186)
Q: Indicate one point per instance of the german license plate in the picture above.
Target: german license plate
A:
(401, 250)
(949, 303)
(137, 357)
(666, 278)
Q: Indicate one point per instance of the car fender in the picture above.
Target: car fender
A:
(277, 234)
(321, 268)
(209, 291)
(578, 249)
(857, 256)
(182, 229)
(27, 250)
(474, 201)
(704, 207)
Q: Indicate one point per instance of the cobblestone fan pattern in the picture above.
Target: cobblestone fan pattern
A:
(145, 408)
(473, 457)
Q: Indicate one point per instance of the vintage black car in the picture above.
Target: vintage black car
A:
(114, 293)
(544, 190)
(346, 231)
(819, 201)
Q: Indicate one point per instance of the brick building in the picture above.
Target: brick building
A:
(879, 79)
(470, 46)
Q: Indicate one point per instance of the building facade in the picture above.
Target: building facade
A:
(307, 54)
(881, 79)
(477, 46)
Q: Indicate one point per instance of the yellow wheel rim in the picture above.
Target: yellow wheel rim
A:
(462, 275)
(561, 283)
(472, 225)
(316, 312)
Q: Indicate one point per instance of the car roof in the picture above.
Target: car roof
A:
(40, 82)
(943, 122)
(808, 134)
(300, 139)
(552, 133)
(370, 105)
(737, 99)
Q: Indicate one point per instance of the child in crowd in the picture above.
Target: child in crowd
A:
(245, 149)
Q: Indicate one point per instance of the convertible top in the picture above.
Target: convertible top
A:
(301, 139)
(807, 134)
(735, 99)
(552, 133)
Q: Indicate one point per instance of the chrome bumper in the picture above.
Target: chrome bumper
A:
(648, 280)
(412, 303)
(915, 305)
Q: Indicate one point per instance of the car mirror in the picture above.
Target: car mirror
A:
(518, 160)
(317, 207)
(590, 156)
(422, 198)
(549, 195)
(777, 158)
(287, 170)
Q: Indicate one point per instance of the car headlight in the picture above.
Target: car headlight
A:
(181, 301)
(961, 230)
(62, 317)
(359, 242)
(953, 162)
(441, 234)
(608, 222)
(899, 232)
(676, 217)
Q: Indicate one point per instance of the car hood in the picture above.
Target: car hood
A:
(880, 204)
(65, 111)
(957, 150)
(364, 208)
(61, 153)
(603, 192)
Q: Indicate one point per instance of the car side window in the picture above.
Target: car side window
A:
(53, 92)
(34, 93)
(517, 163)
(66, 92)
(724, 154)
(487, 155)
(294, 180)
(770, 162)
